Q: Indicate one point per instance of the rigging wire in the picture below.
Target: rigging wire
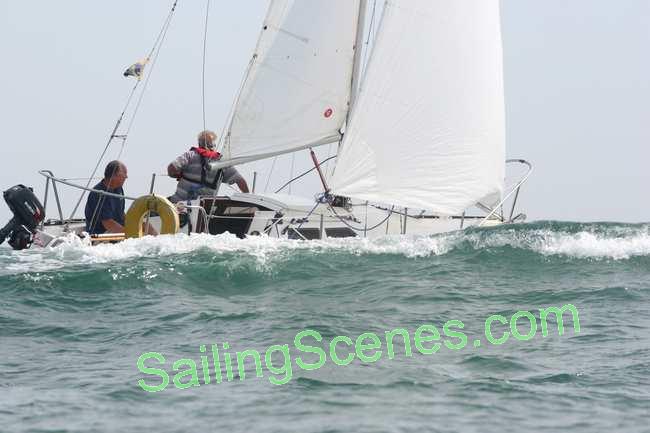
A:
(371, 28)
(303, 174)
(268, 179)
(114, 135)
(155, 52)
(100, 201)
(205, 42)
(163, 30)
(340, 143)
(108, 143)
(370, 32)
(293, 161)
(364, 229)
(224, 139)
(327, 166)
(306, 219)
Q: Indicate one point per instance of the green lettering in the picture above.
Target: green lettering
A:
(559, 312)
(451, 333)
(192, 370)
(515, 331)
(389, 342)
(155, 371)
(359, 347)
(333, 354)
(419, 339)
(241, 356)
(309, 349)
(488, 329)
(286, 368)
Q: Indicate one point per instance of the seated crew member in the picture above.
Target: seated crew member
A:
(105, 214)
(194, 174)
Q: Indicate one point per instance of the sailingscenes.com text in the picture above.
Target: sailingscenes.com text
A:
(342, 350)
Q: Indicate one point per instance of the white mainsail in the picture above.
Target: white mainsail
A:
(428, 128)
(298, 87)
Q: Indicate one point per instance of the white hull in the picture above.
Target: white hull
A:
(292, 217)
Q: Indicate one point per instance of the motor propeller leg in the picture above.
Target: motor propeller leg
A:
(7, 229)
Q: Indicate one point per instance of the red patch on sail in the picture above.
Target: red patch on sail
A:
(328, 113)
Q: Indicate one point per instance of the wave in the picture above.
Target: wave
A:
(263, 250)
(575, 240)
(594, 241)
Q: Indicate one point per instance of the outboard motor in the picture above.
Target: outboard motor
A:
(28, 214)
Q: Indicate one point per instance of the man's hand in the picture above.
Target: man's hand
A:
(148, 229)
(112, 226)
(243, 186)
(174, 172)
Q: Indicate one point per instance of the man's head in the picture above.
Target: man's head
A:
(207, 139)
(115, 174)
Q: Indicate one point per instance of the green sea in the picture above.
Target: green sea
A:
(76, 320)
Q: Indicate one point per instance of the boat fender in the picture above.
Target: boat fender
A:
(137, 213)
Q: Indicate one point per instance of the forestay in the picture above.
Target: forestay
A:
(298, 87)
(428, 128)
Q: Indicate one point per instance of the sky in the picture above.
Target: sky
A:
(577, 78)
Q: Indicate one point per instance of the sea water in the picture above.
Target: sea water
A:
(82, 329)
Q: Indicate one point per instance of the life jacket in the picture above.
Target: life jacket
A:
(206, 153)
(206, 157)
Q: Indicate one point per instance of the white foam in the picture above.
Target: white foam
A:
(263, 249)
(590, 245)
(613, 243)
(616, 243)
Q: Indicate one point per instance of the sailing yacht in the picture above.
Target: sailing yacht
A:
(419, 128)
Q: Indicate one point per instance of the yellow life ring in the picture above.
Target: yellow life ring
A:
(134, 220)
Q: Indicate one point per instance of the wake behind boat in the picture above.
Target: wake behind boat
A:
(420, 129)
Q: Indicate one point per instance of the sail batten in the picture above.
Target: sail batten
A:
(428, 128)
(298, 87)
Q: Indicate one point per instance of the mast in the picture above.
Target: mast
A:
(356, 78)
(358, 49)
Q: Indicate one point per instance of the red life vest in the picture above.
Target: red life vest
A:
(206, 153)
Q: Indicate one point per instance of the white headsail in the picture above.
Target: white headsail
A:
(428, 128)
(298, 87)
